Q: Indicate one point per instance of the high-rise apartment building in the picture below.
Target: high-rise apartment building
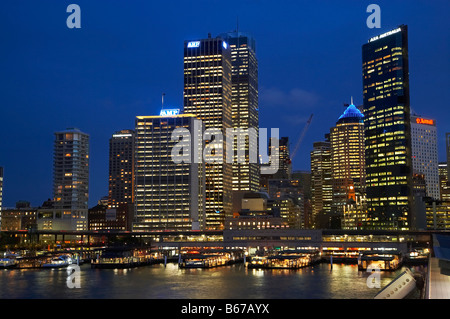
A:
(245, 113)
(169, 195)
(121, 168)
(71, 170)
(425, 153)
(321, 181)
(70, 183)
(387, 130)
(208, 95)
(348, 158)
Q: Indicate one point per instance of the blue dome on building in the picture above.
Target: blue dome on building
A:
(351, 115)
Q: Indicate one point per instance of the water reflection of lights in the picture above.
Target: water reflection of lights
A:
(258, 272)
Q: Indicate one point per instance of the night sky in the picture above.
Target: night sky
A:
(127, 53)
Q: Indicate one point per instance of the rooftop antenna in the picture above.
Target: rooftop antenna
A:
(162, 101)
(237, 24)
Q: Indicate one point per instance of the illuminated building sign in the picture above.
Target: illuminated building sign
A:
(193, 44)
(169, 112)
(420, 120)
(224, 44)
(385, 34)
(122, 135)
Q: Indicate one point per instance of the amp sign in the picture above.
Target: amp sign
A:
(169, 112)
(193, 44)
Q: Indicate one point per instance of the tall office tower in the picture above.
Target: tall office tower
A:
(71, 178)
(348, 158)
(321, 182)
(387, 130)
(425, 153)
(283, 162)
(444, 182)
(121, 168)
(1, 194)
(169, 195)
(207, 95)
(245, 113)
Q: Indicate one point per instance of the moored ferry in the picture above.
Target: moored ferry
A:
(289, 259)
(114, 258)
(208, 258)
(380, 260)
(58, 262)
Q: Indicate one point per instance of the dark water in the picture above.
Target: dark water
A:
(170, 282)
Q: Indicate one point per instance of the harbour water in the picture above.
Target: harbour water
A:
(157, 281)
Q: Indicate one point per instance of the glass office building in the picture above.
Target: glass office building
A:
(387, 130)
(169, 195)
(245, 112)
(208, 94)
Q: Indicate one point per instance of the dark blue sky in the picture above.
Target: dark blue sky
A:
(99, 77)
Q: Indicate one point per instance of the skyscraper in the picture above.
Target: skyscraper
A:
(321, 182)
(121, 168)
(425, 153)
(348, 157)
(283, 161)
(168, 195)
(245, 113)
(387, 129)
(70, 182)
(207, 95)
(443, 182)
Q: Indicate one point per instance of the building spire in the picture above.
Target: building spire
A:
(351, 100)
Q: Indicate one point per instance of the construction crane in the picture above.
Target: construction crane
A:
(299, 141)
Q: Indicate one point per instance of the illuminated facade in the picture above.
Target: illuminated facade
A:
(348, 158)
(121, 168)
(245, 113)
(70, 183)
(443, 182)
(425, 154)
(208, 95)
(321, 181)
(438, 215)
(387, 130)
(283, 162)
(168, 195)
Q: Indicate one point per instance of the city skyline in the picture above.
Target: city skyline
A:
(119, 111)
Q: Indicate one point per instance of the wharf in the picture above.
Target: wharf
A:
(438, 281)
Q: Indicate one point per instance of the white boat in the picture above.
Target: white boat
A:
(8, 261)
(58, 262)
